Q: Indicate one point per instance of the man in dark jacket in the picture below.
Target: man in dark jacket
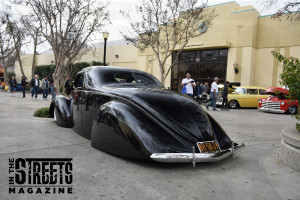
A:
(34, 84)
(23, 85)
(13, 86)
(225, 96)
(69, 86)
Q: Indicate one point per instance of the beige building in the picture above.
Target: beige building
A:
(236, 48)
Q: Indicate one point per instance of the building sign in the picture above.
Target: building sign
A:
(202, 27)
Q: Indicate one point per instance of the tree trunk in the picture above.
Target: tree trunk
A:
(20, 63)
(33, 59)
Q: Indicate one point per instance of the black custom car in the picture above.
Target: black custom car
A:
(129, 113)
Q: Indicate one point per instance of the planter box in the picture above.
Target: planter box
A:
(290, 148)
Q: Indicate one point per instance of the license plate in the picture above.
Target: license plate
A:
(208, 147)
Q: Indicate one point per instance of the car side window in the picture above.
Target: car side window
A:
(263, 92)
(252, 91)
(79, 81)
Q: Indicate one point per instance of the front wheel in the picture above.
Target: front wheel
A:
(233, 104)
(292, 109)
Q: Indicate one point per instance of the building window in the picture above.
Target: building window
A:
(202, 65)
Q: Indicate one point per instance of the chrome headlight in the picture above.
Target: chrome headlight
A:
(282, 103)
(259, 101)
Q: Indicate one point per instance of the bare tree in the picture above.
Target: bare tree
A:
(33, 30)
(166, 27)
(292, 8)
(68, 26)
(16, 30)
(7, 50)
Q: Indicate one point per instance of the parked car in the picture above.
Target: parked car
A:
(244, 96)
(129, 113)
(278, 102)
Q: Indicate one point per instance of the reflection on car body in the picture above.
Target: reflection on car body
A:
(129, 113)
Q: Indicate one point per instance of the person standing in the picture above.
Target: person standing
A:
(214, 94)
(34, 84)
(208, 90)
(23, 85)
(189, 84)
(204, 87)
(45, 87)
(225, 96)
(52, 89)
(69, 86)
(13, 86)
(200, 89)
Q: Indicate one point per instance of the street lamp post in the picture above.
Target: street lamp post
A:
(105, 36)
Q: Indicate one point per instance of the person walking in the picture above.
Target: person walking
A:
(45, 87)
(34, 84)
(69, 86)
(214, 94)
(52, 89)
(225, 96)
(23, 85)
(13, 86)
(189, 84)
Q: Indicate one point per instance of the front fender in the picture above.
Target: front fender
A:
(61, 107)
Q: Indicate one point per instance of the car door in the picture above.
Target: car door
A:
(251, 99)
(77, 103)
(238, 95)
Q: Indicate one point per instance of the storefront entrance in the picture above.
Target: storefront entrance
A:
(202, 65)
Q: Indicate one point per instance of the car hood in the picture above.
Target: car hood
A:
(182, 116)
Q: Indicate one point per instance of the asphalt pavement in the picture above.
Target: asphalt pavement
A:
(256, 173)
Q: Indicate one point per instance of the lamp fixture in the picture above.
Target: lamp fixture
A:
(236, 70)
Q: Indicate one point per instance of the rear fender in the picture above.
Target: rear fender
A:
(122, 130)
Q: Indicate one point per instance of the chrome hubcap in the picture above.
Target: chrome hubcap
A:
(232, 104)
(292, 109)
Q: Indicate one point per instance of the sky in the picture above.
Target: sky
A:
(119, 23)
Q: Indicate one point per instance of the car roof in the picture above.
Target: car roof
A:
(251, 87)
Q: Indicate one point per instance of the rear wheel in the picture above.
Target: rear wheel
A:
(292, 109)
(233, 104)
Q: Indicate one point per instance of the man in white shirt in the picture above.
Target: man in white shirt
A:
(213, 94)
(189, 84)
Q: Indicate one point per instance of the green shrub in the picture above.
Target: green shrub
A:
(42, 112)
(10, 74)
(291, 77)
(96, 63)
(28, 87)
(44, 70)
(78, 67)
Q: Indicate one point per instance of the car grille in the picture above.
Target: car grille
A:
(271, 105)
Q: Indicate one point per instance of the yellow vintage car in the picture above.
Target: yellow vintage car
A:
(244, 96)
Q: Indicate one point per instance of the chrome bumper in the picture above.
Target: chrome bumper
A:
(271, 110)
(196, 157)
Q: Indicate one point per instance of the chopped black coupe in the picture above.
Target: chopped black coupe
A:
(129, 113)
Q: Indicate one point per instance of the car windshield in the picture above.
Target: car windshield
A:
(240, 90)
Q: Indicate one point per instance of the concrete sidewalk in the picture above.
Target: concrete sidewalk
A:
(257, 173)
